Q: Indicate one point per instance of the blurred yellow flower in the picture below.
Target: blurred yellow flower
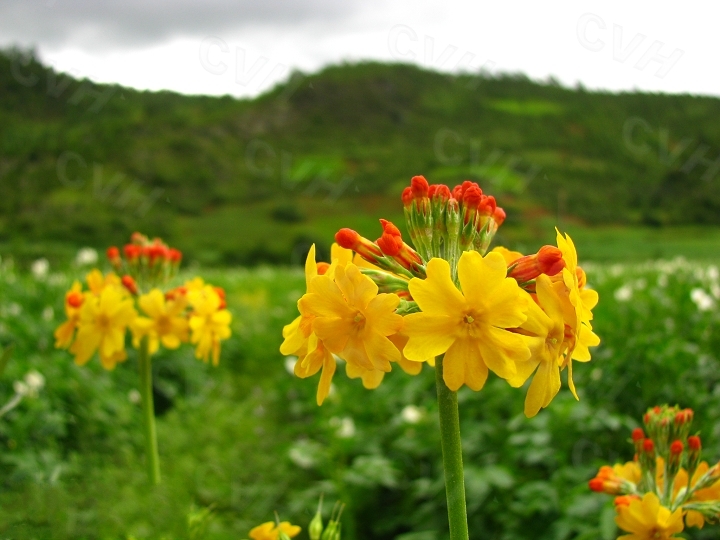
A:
(103, 322)
(711, 493)
(469, 327)
(73, 302)
(209, 322)
(166, 322)
(352, 319)
(646, 519)
(97, 282)
(269, 531)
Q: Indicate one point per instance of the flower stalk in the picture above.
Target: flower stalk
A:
(148, 409)
(452, 455)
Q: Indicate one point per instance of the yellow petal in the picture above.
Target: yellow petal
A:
(428, 335)
(463, 365)
(480, 276)
(437, 295)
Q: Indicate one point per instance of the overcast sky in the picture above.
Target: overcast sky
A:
(243, 47)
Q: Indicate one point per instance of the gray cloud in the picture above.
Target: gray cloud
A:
(112, 23)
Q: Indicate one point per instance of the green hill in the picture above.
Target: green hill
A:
(241, 181)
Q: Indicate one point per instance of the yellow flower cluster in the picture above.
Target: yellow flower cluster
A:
(665, 483)
(99, 317)
(498, 312)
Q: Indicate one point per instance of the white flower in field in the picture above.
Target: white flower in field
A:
(40, 268)
(703, 300)
(48, 313)
(86, 256)
(134, 396)
(21, 388)
(345, 425)
(624, 293)
(712, 273)
(411, 414)
(290, 362)
(34, 380)
(662, 281)
(715, 290)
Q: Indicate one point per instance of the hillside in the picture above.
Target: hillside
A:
(242, 181)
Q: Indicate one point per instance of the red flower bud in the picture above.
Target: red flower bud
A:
(625, 500)
(174, 255)
(132, 251)
(548, 260)
(676, 447)
(322, 268)
(442, 192)
(457, 193)
(350, 239)
(419, 186)
(694, 443)
(472, 196)
(113, 253)
(499, 216)
(638, 434)
(129, 283)
(648, 446)
(407, 196)
(74, 299)
(596, 484)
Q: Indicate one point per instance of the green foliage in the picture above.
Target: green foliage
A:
(246, 438)
(86, 164)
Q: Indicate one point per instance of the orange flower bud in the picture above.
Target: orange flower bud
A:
(350, 239)
(74, 299)
(676, 447)
(407, 197)
(548, 260)
(499, 216)
(638, 434)
(132, 252)
(648, 446)
(129, 283)
(174, 255)
(625, 500)
(322, 268)
(694, 443)
(487, 205)
(596, 484)
(441, 192)
(419, 186)
(113, 253)
(392, 245)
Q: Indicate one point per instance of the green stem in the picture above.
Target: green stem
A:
(151, 448)
(452, 455)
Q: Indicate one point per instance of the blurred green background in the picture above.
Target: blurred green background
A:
(244, 187)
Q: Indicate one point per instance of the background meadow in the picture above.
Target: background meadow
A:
(247, 438)
(244, 187)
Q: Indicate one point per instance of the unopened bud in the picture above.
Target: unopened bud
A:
(407, 197)
(499, 216)
(129, 283)
(625, 500)
(648, 446)
(694, 443)
(419, 186)
(548, 260)
(74, 299)
(315, 528)
(638, 434)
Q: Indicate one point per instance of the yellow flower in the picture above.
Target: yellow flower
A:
(577, 310)
(268, 530)
(103, 322)
(97, 282)
(209, 323)
(544, 333)
(371, 378)
(311, 358)
(469, 327)
(64, 333)
(645, 519)
(352, 319)
(629, 471)
(166, 324)
(694, 518)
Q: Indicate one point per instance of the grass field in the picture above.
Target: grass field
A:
(246, 438)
